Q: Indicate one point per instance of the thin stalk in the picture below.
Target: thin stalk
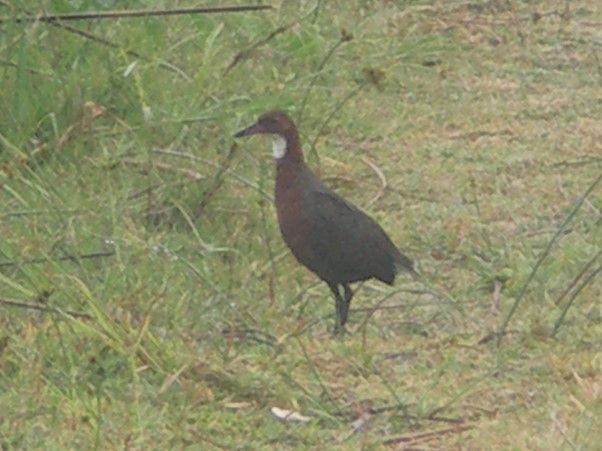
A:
(545, 253)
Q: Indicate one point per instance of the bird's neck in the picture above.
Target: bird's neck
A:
(287, 147)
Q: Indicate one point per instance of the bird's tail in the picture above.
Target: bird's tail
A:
(403, 263)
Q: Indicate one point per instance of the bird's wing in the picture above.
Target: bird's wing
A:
(348, 239)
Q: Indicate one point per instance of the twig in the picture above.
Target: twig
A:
(145, 190)
(272, 274)
(133, 13)
(476, 134)
(241, 179)
(64, 258)
(593, 208)
(535, 17)
(427, 436)
(134, 53)
(475, 194)
(242, 55)
(562, 431)
(491, 413)
(12, 214)
(252, 334)
(345, 37)
(326, 391)
(316, 11)
(561, 189)
(582, 162)
(43, 308)
(198, 437)
(218, 179)
(28, 69)
(106, 42)
(334, 111)
(492, 335)
(371, 310)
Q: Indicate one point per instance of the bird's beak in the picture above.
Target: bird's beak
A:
(252, 130)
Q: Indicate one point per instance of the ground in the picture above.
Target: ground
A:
(148, 302)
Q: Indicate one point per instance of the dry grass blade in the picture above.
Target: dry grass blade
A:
(545, 253)
(146, 167)
(584, 270)
(43, 308)
(383, 181)
(569, 303)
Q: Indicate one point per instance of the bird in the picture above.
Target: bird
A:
(329, 235)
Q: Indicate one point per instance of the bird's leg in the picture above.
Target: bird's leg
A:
(346, 302)
(340, 308)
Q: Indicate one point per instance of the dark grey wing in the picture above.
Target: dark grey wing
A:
(351, 245)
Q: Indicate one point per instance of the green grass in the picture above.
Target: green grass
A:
(470, 131)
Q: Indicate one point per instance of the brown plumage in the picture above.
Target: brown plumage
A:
(327, 234)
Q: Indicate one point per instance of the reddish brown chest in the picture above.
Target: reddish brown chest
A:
(291, 190)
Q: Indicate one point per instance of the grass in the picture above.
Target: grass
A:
(470, 131)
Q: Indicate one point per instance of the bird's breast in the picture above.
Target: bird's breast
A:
(293, 215)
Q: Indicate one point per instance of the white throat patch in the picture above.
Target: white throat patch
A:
(278, 146)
